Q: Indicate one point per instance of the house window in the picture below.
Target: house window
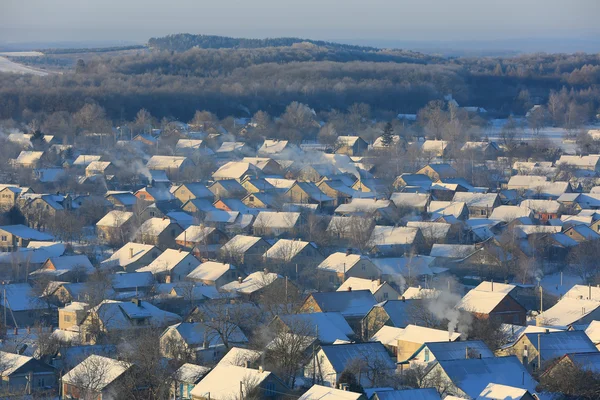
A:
(41, 382)
(67, 318)
(152, 213)
(385, 295)
(4, 238)
(426, 355)
(331, 279)
(364, 267)
(251, 199)
(270, 389)
(172, 232)
(482, 212)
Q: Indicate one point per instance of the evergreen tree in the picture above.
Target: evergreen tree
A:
(387, 139)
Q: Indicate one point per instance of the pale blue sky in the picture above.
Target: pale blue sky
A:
(137, 20)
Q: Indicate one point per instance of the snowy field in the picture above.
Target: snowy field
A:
(9, 66)
(21, 54)
(555, 135)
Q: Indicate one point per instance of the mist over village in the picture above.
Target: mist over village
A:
(314, 201)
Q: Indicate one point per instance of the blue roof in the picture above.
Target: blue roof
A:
(557, 344)
(341, 355)
(356, 303)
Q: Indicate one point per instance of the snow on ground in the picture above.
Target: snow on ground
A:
(551, 283)
(8, 66)
(21, 54)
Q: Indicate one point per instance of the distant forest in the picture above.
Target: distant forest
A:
(226, 76)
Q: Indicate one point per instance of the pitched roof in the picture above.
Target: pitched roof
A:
(169, 259)
(472, 375)
(107, 370)
(115, 219)
(155, 226)
(329, 327)
(223, 381)
(390, 235)
(557, 344)
(240, 243)
(408, 394)
(128, 254)
(482, 302)
(495, 391)
(356, 303)
(340, 262)
(210, 270)
(421, 334)
(165, 162)
(251, 283)
(486, 200)
(410, 199)
(456, 350)
(399, 311)
(26, 232)
(190, 373)
(275, 219)
(388, 335)
(568, 311)
(318, 392)
(361, 284)
(341, 355)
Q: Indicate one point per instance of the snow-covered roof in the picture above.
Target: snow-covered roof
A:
(341, 355)
(106, 371)
(431, 230)
(21, 297)
(328, 326)
(452, 250)
(355, 303)
(361, 284)
(272, 146)
(567, 311)
(236, 170)
(123, 315)
(250, 284)
(390, 235)
(483, 200)
(128, 254)
(445, 350)
(26, 232)
(239, 356)
(590, 161)
(593, 331)
(557, 344)
(543, 206)
(223, 381)
(488, 286)
(210, 270)
(239, 244)
(318, 392)
(479, 301)
(509, 213)
(170, 259)
(413, 265)
(420, 293)
(115, 219)
(410, 199)
(285, 249)
(29, 157)
(275, 219)
(362, 206)
(495, 391)
(190, 373)
(421, 334)
(165, 162)
(155, 226)
(340, 262)
(441, 208)
(472, 375)
(406, 394)
(388, 335)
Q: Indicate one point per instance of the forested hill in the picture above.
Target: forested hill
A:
(186, 41)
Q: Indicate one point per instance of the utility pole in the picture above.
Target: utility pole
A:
(539, 349)
(541, 299)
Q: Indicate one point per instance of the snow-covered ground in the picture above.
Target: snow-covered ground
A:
(9, 66)
(21, 53)
(555, 135)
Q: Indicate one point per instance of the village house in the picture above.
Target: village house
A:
(352, 304)
(28, 159)
(122, 200)
(392, 313)
(267, 165)
(160, 232)
(274, 147)
(329, 327)
(236, 170)
(410, 203)
(480, 205)
(154, 195)
(186, 377)
(256, 284)
(431, 351)
(262, 200)
(227, 188)
(543, 210)
(190, 191)
(204, 240)
(131, 257)
(81, 383)
(172, 265)
(214, 273)
(204, 343)
(389, 240)
(438, 172)
(336, 268)
(23, 375)
(244, 250)
(22, 307)
(351, 145)
(74, 268)
(382, 211)
(223, 383)
(340, 192)
(413, 337)
(330, 393)
(497, 305)
(115, 227)
(413, 183)
(381, 290)
(71, 315)
(104, 168)
(8, 196)
(15, 236)
(174, 166)
(435, 148)
(257, 185)
(273, 223)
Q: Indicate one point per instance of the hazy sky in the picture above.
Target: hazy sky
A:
(137, 20)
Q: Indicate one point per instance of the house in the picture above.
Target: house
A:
(155, 194)
(399, 240)
(272, 147)
(480, 205)
(236, 170)
(224, 382)
(593, 332)
(340, 192)
(258, 185)
(412, 338)
(590, 162)
(430, 352)
(191, 191)
(73, 268)
(28, 159)
(186, 377)
(351, 145)
(172, 265)
(510, 213)
(8, 196)
(95, 377)
(547, 347)
(105, 168)
(262, 200)
(23, 375)
(332, 360)
(13, 236)
(22, 305)
(439, 209)
(267, 165)
(470, 376)
(336, 268)
(437, 232)
(543, 210)
(382, 211)
(174, 166)
(438, 172)
(485, 150)
(242, 357)
(214, 273)
(205, 240)
(437, 148)
(581, 233)
(413, 203)
(413, 183)
(227, 188)
(308, 193)
(232, 149)
(244, 250)
(497, 305)
(316, 172)
(122, 200)
(274, 223)
(114, 317)
(381, 290)
(258, 283)
(132, 282)
(198, 339)
(160, 232)
(115, 227)
(288, 252)
(392, 313)
(71, 315)
(413, 267)
(83, 160)
(131, 257)
(329, 327)
(353, 305)
(588, 362)
(318, 392)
